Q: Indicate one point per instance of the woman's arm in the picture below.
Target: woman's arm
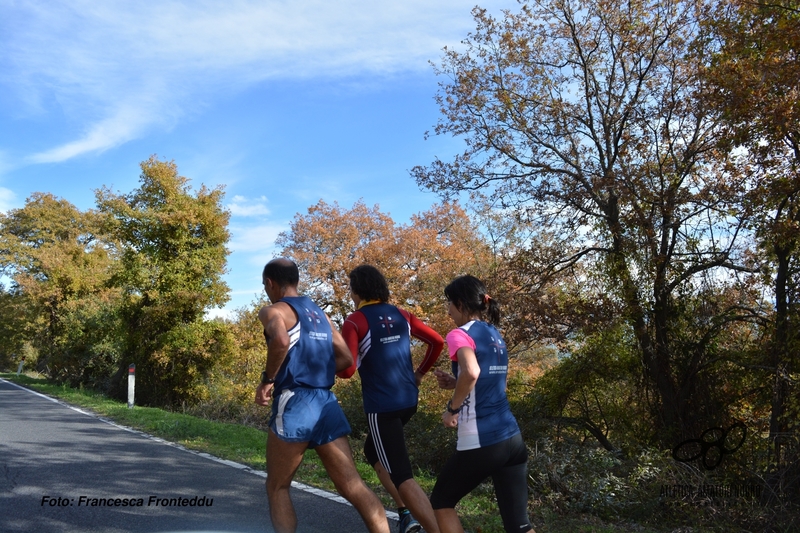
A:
(468, 372)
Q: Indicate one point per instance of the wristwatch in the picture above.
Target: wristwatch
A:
(265, 380)
(451, 410)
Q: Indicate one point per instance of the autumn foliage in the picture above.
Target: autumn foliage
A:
(632, 176)
(418, 258)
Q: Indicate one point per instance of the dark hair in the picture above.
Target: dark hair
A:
(468, 294)
(369, 284)
(282, 271)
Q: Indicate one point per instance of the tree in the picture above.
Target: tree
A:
(173, 257)
(329, 241)
(754, 81)
(590, 390)
(61, 262)
(580, 117)
(418, 259)
(232, 381)
(436, 246)
(12, 327)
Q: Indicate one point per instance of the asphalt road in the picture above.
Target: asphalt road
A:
(63, 470)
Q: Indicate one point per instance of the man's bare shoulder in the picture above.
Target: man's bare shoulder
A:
(271, 311)
(277, 311)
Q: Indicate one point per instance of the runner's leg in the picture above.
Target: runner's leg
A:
(386, 441)
(511, 486)
(283, 459)
(386, 480)
(337, 458)
(419, 504)
(448, 521)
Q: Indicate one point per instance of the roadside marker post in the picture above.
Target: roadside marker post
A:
(19, 368)
(131, 384)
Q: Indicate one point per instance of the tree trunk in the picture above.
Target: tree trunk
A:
(778, 355)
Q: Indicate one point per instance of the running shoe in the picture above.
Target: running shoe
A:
(407, 523)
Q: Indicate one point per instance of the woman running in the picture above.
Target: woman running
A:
(489, 440)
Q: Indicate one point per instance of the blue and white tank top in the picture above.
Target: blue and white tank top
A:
(310, 361)
(486, 417)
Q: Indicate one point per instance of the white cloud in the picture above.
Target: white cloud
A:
(255, 239)
(243, 207)
(7, 200)
(122, 68)
(127, 124)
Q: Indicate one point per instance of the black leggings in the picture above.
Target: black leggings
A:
(386, 443)
(506, 463)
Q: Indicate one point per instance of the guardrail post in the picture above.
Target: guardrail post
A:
(131, 384)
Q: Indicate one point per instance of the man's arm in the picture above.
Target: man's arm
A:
(341, 352)
(426, 334)
(277, 347)
(350, 331)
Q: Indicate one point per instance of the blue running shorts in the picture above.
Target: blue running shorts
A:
(308, 415)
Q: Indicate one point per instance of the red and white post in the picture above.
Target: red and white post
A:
(131, 384)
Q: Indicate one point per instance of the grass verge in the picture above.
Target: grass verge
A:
(235, 442)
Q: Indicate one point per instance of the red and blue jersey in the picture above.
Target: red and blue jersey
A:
(380, 334)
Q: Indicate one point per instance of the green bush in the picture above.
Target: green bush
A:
(651, 488)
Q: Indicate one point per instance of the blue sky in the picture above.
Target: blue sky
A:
(282, 102)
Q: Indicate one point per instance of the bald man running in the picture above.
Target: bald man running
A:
(304, 353)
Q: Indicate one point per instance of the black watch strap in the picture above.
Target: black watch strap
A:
(265, 380)
(450, 408)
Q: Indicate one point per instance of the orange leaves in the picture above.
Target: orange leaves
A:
(418, 258)
(755, 74)
(329, 241)
(53, 251)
